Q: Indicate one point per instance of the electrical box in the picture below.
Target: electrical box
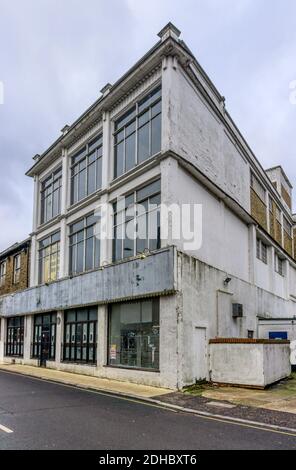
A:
(237, 310)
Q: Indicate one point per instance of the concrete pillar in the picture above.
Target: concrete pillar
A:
(65, 181)
(170, 102)
(28, 336)
(2, 338)
(272, 273)
(102, 335)
(33, 281)
(59, 337)
(36, 203)
(287, 278)
(107, 160)
(252, 253)
(169, 175)
(64, 264)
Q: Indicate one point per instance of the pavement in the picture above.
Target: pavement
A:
(85, 381)
(40, 414)
(273, 407)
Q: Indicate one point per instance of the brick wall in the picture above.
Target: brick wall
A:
(23, 283)
(258, 209)
(286, 197)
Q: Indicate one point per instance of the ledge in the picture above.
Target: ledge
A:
(246, 341)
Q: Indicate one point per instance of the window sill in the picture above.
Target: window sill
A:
(89, 364)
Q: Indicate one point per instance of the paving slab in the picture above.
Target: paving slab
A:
(84, 381)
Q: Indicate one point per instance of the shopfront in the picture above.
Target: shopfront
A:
(134, 335)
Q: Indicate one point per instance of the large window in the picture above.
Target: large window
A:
(84, 245)
(16, 268)
(134, 334)
(3, 273)
(138, 133)
(80, 335)
(137, 222)
(15, 336)
(279, 264)
(86, 170)
(287, 227)
(261, 249)
(49, 258)
(44, 335)
(51, 196)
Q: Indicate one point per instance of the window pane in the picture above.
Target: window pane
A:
(130, 152)
(143, 143)
(80, 257)
(156, 135)
(89, 255)
(91, 178)
(81, 185)
(99, 173)
(119, 159)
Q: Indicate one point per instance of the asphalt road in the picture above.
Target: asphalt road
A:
(44, 415)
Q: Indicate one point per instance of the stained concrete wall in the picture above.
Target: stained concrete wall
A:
(125, 280)
(250, 364)
(196, 133)
(207, 303)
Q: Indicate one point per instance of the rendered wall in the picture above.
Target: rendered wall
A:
(250, 363)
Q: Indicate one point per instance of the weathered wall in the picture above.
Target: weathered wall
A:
(200, 137)
(250, 363)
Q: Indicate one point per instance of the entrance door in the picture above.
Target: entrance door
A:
(200, 353)
(45, 346)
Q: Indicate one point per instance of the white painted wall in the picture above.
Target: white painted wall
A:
(251, 364)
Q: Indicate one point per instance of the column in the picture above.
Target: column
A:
(28, 337)
(36, 203)
(59, 337)
(33, 281)
(252, 253)
(2, 338)
(102, 335)
(107, 160)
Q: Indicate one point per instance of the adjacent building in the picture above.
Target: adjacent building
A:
(143, 309)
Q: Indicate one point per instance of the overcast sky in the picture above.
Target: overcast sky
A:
(55, 56)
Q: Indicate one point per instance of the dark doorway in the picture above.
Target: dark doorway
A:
(44, 338)
(45, 346)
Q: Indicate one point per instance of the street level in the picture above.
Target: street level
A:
(35, 414)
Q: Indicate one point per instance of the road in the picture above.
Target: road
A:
(44, 415)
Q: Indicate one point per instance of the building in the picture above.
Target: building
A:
(144, 309)
(15, 267)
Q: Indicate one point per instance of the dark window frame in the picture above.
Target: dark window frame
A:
(81, 163)
(52, 325)
(17, 266)
(3, 272)
(54, 240)
(121, 219)
(155, 305)
(15, 337)
(51, 188)
(74, 245)
(129, 126)
(70, 348)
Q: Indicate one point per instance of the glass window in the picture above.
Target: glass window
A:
(44, 335)
(84, 245)
(15, 336)
(86, 170)
(261, 250)
(49, 258)
(16, 268)
(51, 196)
(80, 335)
(3, 273)
(287, 227)
(134, 334)
(137, 222)
(138, 133)
(278, 264)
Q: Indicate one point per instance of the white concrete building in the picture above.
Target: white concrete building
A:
(144, 310)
